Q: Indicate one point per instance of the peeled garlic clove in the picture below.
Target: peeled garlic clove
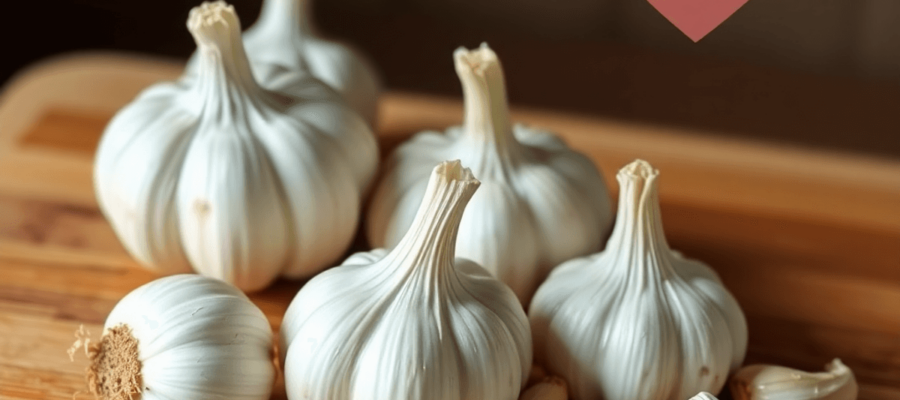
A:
(551, 388)
(540, 202)
(637, 320)
(704, 396)
(183, 337)
(410, 323)
(772, 382)
(239, 182)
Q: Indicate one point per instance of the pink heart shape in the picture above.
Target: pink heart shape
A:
(697, 18)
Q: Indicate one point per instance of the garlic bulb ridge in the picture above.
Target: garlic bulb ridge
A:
(240, 182)
(410, 323)
(637, 321)
(540, 202)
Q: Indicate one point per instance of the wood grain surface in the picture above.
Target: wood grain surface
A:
(808, 242)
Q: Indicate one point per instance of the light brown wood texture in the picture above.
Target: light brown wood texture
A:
(808, 242)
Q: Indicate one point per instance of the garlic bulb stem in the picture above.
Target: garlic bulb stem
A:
(638, 232)
(431, 239)
(224, 67)
(486, 112)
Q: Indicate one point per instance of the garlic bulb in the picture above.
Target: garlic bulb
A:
(284, 40)
(637, 321)
(540, 203)
(183, 337)
(410, 323)
(704, 396)
(241, 182)
(772, 382)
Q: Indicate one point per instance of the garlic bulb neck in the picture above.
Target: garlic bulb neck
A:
(430, 242)
(486, 114)
(224, 69)
(285, 24)
(291, 18)
(637, 238)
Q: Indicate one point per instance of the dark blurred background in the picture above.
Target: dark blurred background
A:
(817, 73)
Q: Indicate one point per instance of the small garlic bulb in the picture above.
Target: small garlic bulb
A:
(411, 323)
(540, 202)
(183, 337)
(284, 40)
(240, 182)
(637, 321)
(772, 382)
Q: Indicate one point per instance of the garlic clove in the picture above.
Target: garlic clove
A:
(551, 388)
(139, 205)
(232, 215)
(771, 382)
(494, 213)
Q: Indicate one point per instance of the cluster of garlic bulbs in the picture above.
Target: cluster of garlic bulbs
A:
(254, 165)
(243, 183)
(541, 203)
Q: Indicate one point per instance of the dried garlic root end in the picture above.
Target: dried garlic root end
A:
(114, 372)
(550, 388)
(775, 382)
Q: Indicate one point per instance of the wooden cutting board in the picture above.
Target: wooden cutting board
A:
(808, 242)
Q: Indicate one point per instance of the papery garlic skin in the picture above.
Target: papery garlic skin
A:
(240, 182)
(198, 338)
(637, 321)
(412, 323)
(772, 382)
(284, 40)
(540, 202)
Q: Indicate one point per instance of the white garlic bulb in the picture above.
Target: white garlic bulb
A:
(540, 202)
(412, 323)
(284, 40)
(183, 337)
(240, 182)
(637, 321)
(772, 382)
